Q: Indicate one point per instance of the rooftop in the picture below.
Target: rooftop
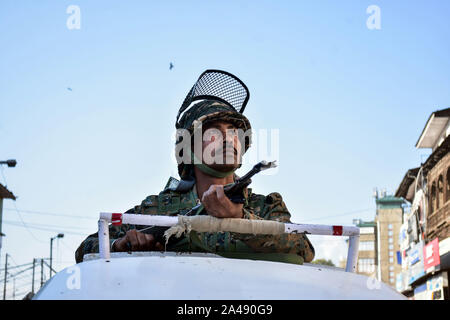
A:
(406, 188)
(5, 193)
(437, 155)
(436, 123)
(364, 224)
(389, 202)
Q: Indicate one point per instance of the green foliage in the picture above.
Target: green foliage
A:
(324, 262)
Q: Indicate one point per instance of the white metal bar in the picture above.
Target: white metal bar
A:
(142, 219)
(320, 229)
(103, 239)
(169, 221)
(352, 255)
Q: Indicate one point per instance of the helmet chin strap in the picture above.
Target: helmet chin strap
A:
(209, 171)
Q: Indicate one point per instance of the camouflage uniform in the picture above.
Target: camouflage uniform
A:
(294, 248)
(179, 197)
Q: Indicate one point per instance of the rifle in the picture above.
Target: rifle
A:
(234, 191)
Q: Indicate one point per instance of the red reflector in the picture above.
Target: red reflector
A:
(337, 230)
(116, 219)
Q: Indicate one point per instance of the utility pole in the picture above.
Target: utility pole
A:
(32, 283)
(6, 273)
(60, 235)
(1, 219)
(42, 272)
(5, 194)
(51, 257)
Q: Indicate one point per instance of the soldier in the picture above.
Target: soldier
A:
(202, 182)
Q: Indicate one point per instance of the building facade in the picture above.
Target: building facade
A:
(367, 259)
(425, 232)
(388, 221)
(438, 219)
(379, 245)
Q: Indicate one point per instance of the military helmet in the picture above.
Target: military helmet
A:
(212, 110)
(217, 95)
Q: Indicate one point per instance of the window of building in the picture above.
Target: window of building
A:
(391, 280)
(391, 260)
(390, 233)
(391, 247)
(391, 276)
(433, 197)
(391, 240)
(391, 253)
(367, 246)
(390, 226)
(366, 265)
(366, 230)
(440, 190)
(391, 268)
(447, 184)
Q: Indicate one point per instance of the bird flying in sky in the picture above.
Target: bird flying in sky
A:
(70, 89)
(171, 66)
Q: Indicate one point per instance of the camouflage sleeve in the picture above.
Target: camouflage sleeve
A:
(272, 207)
(91, 244)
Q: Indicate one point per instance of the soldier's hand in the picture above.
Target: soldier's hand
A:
(137, 241)
(217, 204)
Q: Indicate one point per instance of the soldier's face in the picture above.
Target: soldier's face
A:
(221, 146)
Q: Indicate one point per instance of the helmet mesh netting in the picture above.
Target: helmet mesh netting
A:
(219, 85)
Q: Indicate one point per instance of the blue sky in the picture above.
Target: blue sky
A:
(349, 102)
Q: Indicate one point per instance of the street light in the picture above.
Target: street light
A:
(10, 163)
(60, 235)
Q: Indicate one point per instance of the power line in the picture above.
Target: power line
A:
(48, 225)
(53, 214)
(22, 277)
(20, 272)
(14, 261)
(21, 282)
(27, 279)
(48, 229)
(24, 224)
(65, 245)
(18, 288)
(18, 213)
(29, 285)
(340, 215)
(17, 266)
